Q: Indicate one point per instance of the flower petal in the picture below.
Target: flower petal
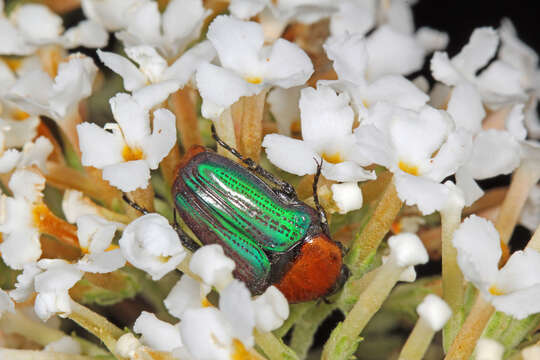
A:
(471, 190)
(163, 138)
(20, 247)
(350, 57)
(478, 251)
(347, 196)
(494, 153)
(283, 105)
(128, 176)
(99, 147)
(391, 52)
(514, 122)
(87, 33)
(428, 195)
(326, 116)
(451, 155)
(133, 78)
(271, 309)
(212, 265)
(466, 107)
(182, 22)
(287, 65)
(184, 67)
(185, 295)
(235, 304)
(104, 262)
(353, 17)
(346, 171)
(479, 50)
(501, 84)
(443, 70)
(37, 22)
(291, 155)
(157, 334)
(397, 90)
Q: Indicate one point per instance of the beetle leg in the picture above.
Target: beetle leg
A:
(134, 205)
(322, 213)
(284, 186)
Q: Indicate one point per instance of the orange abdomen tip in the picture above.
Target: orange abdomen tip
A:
(315, 271)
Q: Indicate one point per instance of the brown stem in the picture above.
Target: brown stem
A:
(187, 123)
(465, 341)
(169, 164)
(249, 121)
(143, 198)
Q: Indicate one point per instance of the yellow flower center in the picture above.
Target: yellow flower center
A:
(254, 79)
(130, 154)
(494, 290)
(50, 224)
(20, 115)
(205, 302)
(240, 352)
(164, 259)
(334, 158)
(409, 168)
(14, 63)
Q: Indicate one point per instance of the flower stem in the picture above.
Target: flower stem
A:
(418, 342)
(142, 197)
(534, 243)
(13, 354)
(525, 177)
(97, 325)
(377, 227)
(187, 123)
(305, 328)
(465, 341)
(169, 164)
(225, 129)
(345, 337)
(247, 115)
(273, 347)
(452, 278)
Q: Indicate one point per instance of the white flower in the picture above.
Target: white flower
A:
(209, 333)
(494, 151)
(32, 154)
(132, 148)
(19, 229)
(24, 287)
(347, 196)
(37, 94)
(283, 104)
(153, 68)
(407, 250)
(169, 32)
(271, 309)
(498, 84)
(157, 334)
(404, 141)
(18, 126)
(112, 14)
(151, 244)
(515, 288)
(327, 121)
(531, 352)
(52, 286)
(435, 311)
(212, 265)
(186, 294)
(74, 204)
(95, 236)
(30, 26)
(65, 345)
(247, 66)
(353, 62)
(6, 304)
(489, 349)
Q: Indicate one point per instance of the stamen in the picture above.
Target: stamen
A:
(130, 154)
(20, 115)
(408, 168)
(493, 290)
(240, 352)
(334, 158)
(254, 79)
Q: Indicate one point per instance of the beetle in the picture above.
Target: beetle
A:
(272, 236)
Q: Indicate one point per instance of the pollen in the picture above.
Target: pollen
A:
(50, 224)
(205, 302)
(494, 290)
(254, 79)
(240, 352)
(334, 158)
(20, 115)
(408, 168)
(296, 127)
(14, 63)
(130, 154)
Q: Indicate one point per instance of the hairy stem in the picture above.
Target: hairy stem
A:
(273, 347)
(418, 342)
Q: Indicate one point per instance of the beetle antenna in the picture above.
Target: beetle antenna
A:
(134, 205)
(284, 186)
(322, 213)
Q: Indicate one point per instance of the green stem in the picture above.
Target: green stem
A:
(97, 325)
(305, 328)
(39, 355)
(39, 333)
(273, 347)
(345, 337)
(295, 314)
(452, 279)
(418, 341)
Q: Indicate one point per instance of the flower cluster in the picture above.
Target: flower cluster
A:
(111, 193)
